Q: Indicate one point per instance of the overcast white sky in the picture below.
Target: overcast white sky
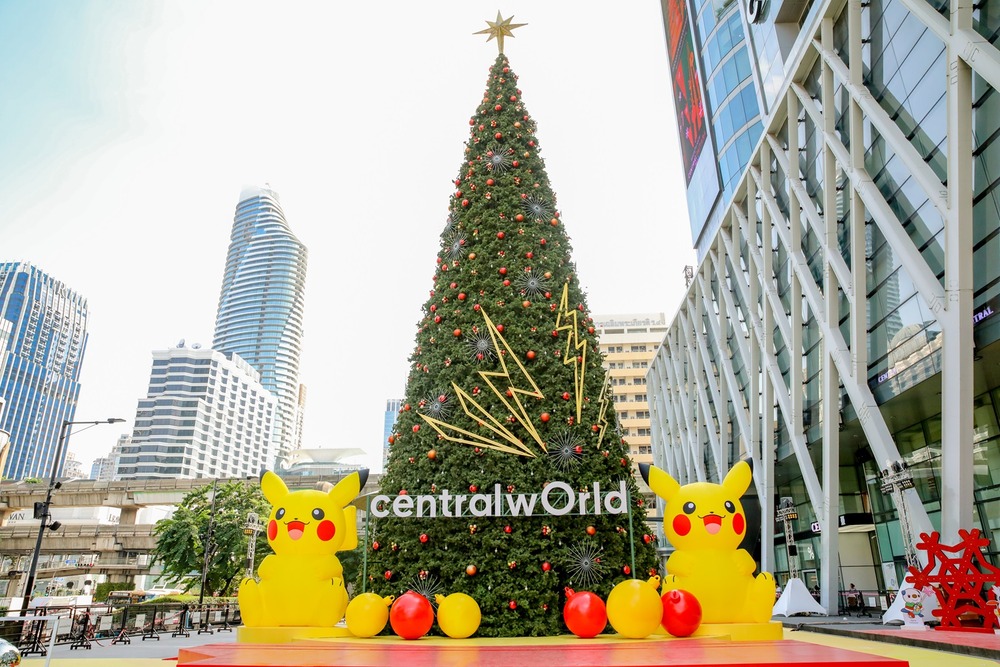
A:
(129, 129)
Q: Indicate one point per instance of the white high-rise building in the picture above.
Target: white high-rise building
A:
(205, 414)
(103, 468)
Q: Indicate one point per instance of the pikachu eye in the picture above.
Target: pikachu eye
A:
(280, 513)
(730, 507)
(688, 507)
(318, 514)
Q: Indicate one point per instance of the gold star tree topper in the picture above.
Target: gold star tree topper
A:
(500, 28)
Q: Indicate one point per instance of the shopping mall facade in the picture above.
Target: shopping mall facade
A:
(845, 311)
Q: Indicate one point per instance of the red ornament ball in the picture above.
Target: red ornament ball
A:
(497, 108)
(626, 570)
(411, 615)
(416, 427)
(585, 614)
(503, 269)
(465, 203)
(507, 529)
(530, 354)
(388, 575)
(506, 283)
(512, 604)
(473, 488)
(545, 416)
(375, 545)
(471, 570)
(424, 538)
(457, 332)
(515, 164)
(565, 395)
(432, 454)
(490, 181)
(591, 530)
(461, 296)
(498, 136)
(437, 319)
(546, 566)
(681, 612)
(519, 217)
(500, 328)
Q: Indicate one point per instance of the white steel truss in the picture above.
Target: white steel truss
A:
(734, 308)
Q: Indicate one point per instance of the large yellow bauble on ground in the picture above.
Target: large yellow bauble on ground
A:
(634, 609)
(367, 614)
(458, 615)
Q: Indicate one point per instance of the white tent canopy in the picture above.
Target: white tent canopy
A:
(796, 599)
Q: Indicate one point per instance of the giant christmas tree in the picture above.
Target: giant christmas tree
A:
(507, 405)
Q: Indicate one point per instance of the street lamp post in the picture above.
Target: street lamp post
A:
(208, 557)
(42, 509)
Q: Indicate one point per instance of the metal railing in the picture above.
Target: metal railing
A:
(81, 626)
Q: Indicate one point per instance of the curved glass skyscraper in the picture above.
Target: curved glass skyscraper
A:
(262, 302)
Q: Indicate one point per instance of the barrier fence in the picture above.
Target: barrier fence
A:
(82, 626)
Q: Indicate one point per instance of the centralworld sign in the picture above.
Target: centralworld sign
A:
(555, 499)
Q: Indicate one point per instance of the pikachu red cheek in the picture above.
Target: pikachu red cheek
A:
(272, 530)
(739, 524)
(326, 530)
(682, 525)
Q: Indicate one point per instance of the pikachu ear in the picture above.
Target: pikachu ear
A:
(272, 486)
(738, 479)
(348, 488)
(659, 481)
(350, 529)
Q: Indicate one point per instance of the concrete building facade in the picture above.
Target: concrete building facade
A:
(628, 344)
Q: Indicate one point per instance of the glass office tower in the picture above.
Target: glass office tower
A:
(843, 316)
(262, 303)
(44, 353)
(708, 51)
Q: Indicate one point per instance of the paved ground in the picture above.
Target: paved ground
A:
(837, 631)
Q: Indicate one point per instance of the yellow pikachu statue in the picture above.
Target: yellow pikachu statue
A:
(301, 583)
(705, 523)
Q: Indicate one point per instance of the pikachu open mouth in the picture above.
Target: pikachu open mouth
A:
(296, 529)
(713, 523)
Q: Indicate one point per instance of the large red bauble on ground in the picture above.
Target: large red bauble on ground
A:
(585, 614)
(411, 615)
(681, 613)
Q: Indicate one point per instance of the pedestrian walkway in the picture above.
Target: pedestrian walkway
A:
(977, 644)
(861, 635)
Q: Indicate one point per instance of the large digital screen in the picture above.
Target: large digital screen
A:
(688, 101)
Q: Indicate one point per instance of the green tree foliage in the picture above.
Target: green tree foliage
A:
(505, 254)
(102, 590)
(180, 540)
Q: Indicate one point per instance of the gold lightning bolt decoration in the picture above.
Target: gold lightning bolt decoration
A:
(499, 29)
(576, 347)
(602, 419)
(517, 383)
